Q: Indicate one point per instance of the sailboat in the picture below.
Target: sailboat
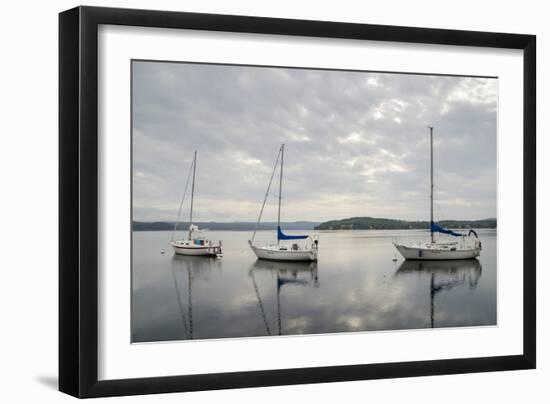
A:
(283, 251)
(466, 247)
(195, 244)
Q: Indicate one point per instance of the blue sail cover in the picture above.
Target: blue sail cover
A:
(283, 236)
(437, 228)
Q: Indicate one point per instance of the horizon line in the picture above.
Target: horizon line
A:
(309, 221)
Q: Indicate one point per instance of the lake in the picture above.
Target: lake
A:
(355, 286)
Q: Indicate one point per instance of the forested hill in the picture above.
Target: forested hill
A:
(372, 223)
(236, 226)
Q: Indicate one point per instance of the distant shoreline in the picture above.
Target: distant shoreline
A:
(231, 226)
(371, 223)
(354, 223)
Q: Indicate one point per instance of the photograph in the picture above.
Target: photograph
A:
(273, 201)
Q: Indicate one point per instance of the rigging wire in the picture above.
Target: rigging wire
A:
(182, 199)
(265, 198)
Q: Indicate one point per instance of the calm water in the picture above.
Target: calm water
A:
(355, 286)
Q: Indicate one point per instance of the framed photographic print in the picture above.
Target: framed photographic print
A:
(250, 201)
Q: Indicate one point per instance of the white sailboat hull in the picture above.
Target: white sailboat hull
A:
(195, 250)
(274, 253)
(436, 253)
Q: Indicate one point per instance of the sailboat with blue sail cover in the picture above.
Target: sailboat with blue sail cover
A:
(288, 247)
(464, 246)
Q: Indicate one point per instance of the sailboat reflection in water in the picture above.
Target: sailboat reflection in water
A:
(443, 276)
(185, 271)
(286, 274)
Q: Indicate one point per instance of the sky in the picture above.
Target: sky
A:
(357, 143)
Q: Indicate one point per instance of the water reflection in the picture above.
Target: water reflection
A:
(355, 287)
(287, 273)
(443, 276)
(185, 271)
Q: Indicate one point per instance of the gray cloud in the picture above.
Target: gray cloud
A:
(357, 143)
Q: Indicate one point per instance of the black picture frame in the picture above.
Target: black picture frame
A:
(78, 200)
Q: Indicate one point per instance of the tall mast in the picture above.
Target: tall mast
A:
(280, 188)
(192, 194)
(431, 182)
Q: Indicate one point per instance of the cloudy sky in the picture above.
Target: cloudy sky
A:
(357, 143)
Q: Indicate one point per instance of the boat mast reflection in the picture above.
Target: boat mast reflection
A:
(444, 275)
(287, 273)
(184, 270)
